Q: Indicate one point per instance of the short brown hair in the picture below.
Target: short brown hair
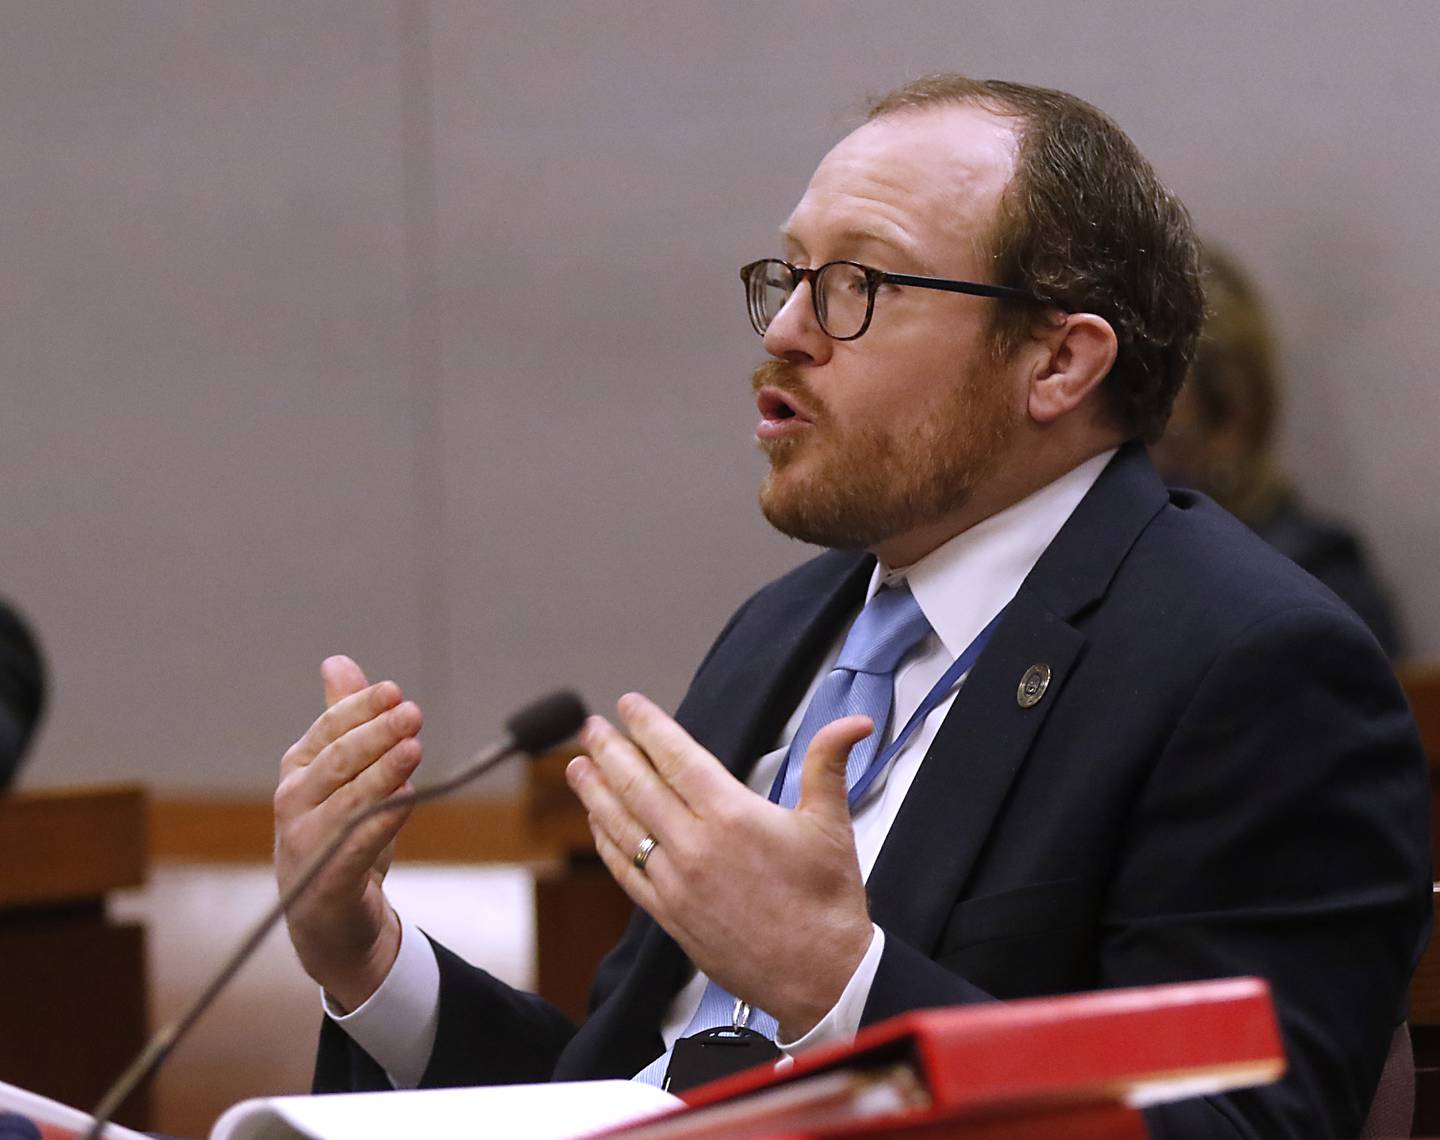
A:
(1086, 223)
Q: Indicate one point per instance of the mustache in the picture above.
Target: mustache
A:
(786, 377)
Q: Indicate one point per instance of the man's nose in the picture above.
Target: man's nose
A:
(795, 335)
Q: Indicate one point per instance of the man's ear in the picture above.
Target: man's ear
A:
(1076, 355)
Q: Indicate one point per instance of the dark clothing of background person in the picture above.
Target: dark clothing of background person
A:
(1220, 440)
(1222, 779)
(22, 691)
(1335, 555)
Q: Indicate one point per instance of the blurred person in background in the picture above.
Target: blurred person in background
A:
(22, 692)
(1221, 441)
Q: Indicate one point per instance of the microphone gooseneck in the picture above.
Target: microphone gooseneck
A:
(536, 728)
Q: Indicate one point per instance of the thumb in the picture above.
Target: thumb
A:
(341, 677)
(822, 776)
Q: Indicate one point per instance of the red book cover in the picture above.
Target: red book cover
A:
(1077, 1065)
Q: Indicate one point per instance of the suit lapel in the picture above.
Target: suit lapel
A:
(984, 741)
(962, 783)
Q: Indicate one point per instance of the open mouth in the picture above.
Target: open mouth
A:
(776, 407)
(781, 418)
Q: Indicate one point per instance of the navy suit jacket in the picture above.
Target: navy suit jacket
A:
(1221, 779)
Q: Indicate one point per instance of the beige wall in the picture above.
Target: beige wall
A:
(413, 330)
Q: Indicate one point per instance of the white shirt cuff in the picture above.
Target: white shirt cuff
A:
(396, 1024)
(843, 1020)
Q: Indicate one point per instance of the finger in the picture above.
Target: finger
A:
(385, 777)
(348, 713)
(629, 777)
(366, 848)
(341, 761)
(604, 810)
(633, 881)
(341, 677)
(822, 776)
(696, 776)
(608, 818)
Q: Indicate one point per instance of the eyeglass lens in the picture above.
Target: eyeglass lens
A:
(842, 296)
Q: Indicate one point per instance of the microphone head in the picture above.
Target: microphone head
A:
(543, 724)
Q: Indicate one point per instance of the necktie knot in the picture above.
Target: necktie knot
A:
(890, 625)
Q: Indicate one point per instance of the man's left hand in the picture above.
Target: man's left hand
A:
(768, 902)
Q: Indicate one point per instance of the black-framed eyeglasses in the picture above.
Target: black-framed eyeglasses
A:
(842, 293)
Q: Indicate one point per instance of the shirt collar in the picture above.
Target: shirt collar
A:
(963, 583)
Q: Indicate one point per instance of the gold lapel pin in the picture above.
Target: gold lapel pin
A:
(1032, 686)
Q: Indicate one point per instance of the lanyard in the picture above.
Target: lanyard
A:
(937, 694)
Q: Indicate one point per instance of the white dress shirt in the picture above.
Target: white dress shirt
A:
(960, 587)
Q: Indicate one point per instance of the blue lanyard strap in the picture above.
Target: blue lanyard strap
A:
(936, 696)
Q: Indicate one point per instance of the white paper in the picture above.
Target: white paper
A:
(523, 1112)
(43, 1110)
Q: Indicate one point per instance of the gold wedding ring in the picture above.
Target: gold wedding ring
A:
(642, 853)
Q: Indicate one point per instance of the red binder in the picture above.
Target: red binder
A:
(1079, 1066)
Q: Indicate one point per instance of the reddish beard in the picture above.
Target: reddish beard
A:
(864, 485)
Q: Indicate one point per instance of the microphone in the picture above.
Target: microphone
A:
(536, 728)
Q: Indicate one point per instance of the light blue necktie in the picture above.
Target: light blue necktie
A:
(862, 681)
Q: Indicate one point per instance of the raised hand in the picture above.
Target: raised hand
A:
(361, 750)
(766, 901)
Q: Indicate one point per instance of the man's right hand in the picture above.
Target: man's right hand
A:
(360, 751)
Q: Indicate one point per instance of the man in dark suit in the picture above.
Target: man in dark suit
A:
(1162, 752)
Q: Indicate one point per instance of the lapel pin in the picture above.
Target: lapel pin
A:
(1032, 686)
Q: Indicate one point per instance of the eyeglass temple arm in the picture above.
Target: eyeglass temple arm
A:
(971, 287)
